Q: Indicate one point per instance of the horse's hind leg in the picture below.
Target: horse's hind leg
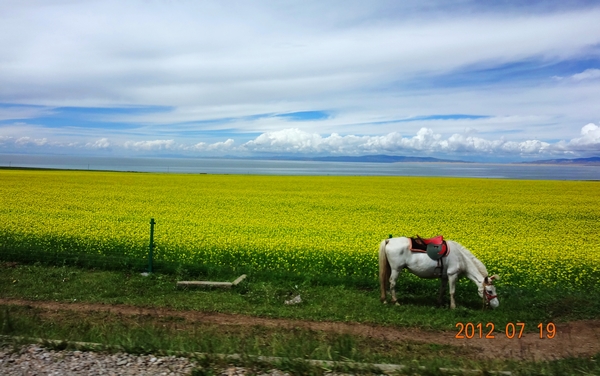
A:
(393, 278)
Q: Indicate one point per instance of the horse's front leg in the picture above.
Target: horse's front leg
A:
(443, 287)
(452, 281)
(393, 278)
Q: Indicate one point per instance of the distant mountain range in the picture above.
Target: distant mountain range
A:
(592, 161)
(381, 158)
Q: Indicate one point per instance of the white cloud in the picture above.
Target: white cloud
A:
(589, 140)
(472, 144)
(425, 141)
(28, 141)
(592, 131)
(102, 143)
(4, 140)
(217, 146)
(588, 74)
(155, 145)
(288, 140)
(221, 146)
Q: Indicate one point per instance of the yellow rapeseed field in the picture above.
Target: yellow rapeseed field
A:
(530, 232)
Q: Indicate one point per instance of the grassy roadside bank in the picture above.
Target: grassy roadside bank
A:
(264, 298)
(147, 334)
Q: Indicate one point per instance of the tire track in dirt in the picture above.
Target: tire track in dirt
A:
(577, 338)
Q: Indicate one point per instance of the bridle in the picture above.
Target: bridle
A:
(488, 296)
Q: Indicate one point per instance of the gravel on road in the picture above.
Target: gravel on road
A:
(36, 360)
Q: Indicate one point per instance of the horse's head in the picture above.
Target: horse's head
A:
(488, 291)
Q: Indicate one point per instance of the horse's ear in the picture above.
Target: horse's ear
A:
(486, 281)
(495, 277)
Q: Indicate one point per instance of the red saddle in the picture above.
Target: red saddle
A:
(435, 247)
(435, 240)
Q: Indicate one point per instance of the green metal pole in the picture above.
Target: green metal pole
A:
(151, 248)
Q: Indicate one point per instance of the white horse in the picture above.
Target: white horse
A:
(395, 255)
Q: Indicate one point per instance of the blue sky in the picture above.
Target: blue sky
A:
(500, 81)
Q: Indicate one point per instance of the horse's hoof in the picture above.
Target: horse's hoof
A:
(398, 304)
(384, 302)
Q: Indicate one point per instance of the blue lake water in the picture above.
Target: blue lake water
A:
(266, 167)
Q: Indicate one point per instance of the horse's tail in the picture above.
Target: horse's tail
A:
(384, 270)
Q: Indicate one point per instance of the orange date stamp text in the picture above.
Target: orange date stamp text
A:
(470, 330)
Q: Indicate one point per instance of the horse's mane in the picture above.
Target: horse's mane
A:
(482, 269)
